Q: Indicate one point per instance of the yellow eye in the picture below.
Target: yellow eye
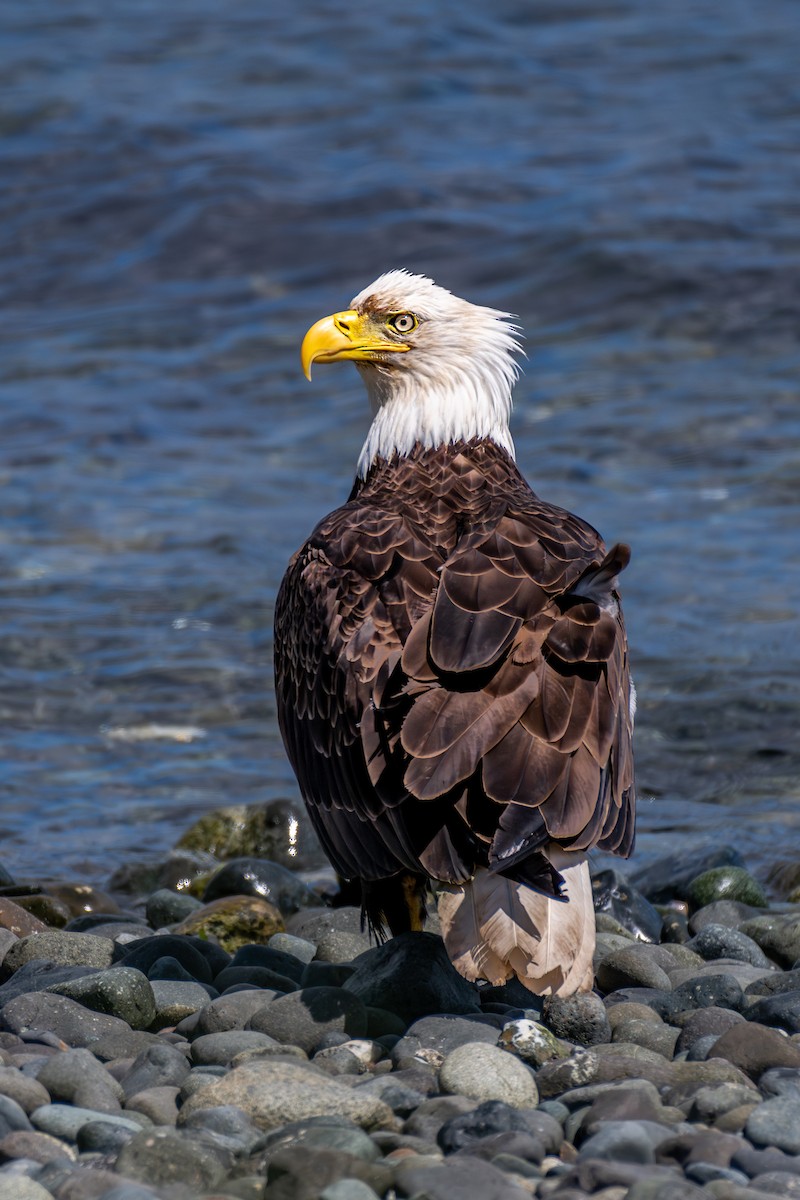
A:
(403, 322)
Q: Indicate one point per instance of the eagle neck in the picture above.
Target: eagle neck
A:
(409, 415)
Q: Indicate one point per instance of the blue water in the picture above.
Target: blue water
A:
(186, 187)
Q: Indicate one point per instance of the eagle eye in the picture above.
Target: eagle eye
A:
(403, 322)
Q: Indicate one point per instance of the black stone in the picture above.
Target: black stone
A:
(100, 1137)
(157, 1066)
(781, 1010)
(255, 955)
(326, 974)
(412, 976)
(303, 1018)
(489, 1118)
(721, 991)
(39, 974)
(255, 976)
(203, 960)
(260, 877)
(439, 1035)
(615, 895)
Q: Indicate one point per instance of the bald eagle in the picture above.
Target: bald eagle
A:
(451, 661)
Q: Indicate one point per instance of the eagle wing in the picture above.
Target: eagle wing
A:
(446, 706)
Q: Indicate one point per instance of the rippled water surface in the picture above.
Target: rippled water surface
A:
(188, 186)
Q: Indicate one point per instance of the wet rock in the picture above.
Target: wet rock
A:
(669, 877)
(483, 1072)
(160, 1157)
(580, 1019)
(279, 830)
(726, 883)
(69, 1021)
(338, 933)
(271, 958)
(174, 870)
(158, 1104)
(259, 977)
(730, 913)
(653, 1035)
(262, 878)
(167, 907)
(326, 974)
(220, 1048)
(303, 1018)
(616, 896)
(272, 1092)
(718, 941)
(234, 921)
(120, 991)
(771, 985)
(712, 1102)
(17, 920)
(52, 912)
(411, 975)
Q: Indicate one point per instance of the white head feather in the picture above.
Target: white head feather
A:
(455, 381)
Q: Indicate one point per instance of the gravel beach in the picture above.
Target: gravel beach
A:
(225, 1033)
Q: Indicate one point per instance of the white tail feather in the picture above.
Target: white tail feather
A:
(494, 928)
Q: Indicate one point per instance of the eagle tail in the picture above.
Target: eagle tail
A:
(495, 928)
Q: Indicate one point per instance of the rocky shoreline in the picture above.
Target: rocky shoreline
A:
(214, 1030)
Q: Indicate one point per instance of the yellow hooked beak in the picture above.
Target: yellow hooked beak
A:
(346, 335)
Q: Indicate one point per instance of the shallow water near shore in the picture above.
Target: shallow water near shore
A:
(190, 190)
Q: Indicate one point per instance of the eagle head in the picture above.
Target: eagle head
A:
(437, 369)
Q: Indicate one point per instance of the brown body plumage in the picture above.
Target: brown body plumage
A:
(453, 693)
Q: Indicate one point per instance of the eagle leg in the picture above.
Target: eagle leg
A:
(398, 902)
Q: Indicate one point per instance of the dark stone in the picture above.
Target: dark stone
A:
(516, 1144)
(260, 877)
(67, 1020)
(781, 1010)
(725, 883)
(754, 1049)
(100, 1137)
(581, 1019)
(303, 1018)
(157, 1066)
(730, 913)
(327, 974)
(615, 895)
(620, 1104)
(669, 877)
(337, 933)
(37, 975)
(261, 977)
(703, 1022)
(120, 991)
(721, 991)
(676, 927)
(665, 1004)
(172, 870)
(718, 941)
(489, 1118)
(265, 956)
(231, 1123)
(231, 1011)
(88, 922)
(166, 907)
(203, 960)
(303, 1176)
(432, 1114)
(278, 830)
(772, 985)
(461, 1178)
(12, 1116)
(432, 1038)
(219, 1048)
(412, 976)
(161, 1157)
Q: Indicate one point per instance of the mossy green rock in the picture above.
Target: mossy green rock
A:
(726, 883)
(234, 921)
(278, 830)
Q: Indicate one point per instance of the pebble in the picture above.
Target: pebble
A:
(233, 921)
(272, 1092)
(303, 1018)
(412, 976)
(60, 947)
(120, 991)
(484, 1072)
